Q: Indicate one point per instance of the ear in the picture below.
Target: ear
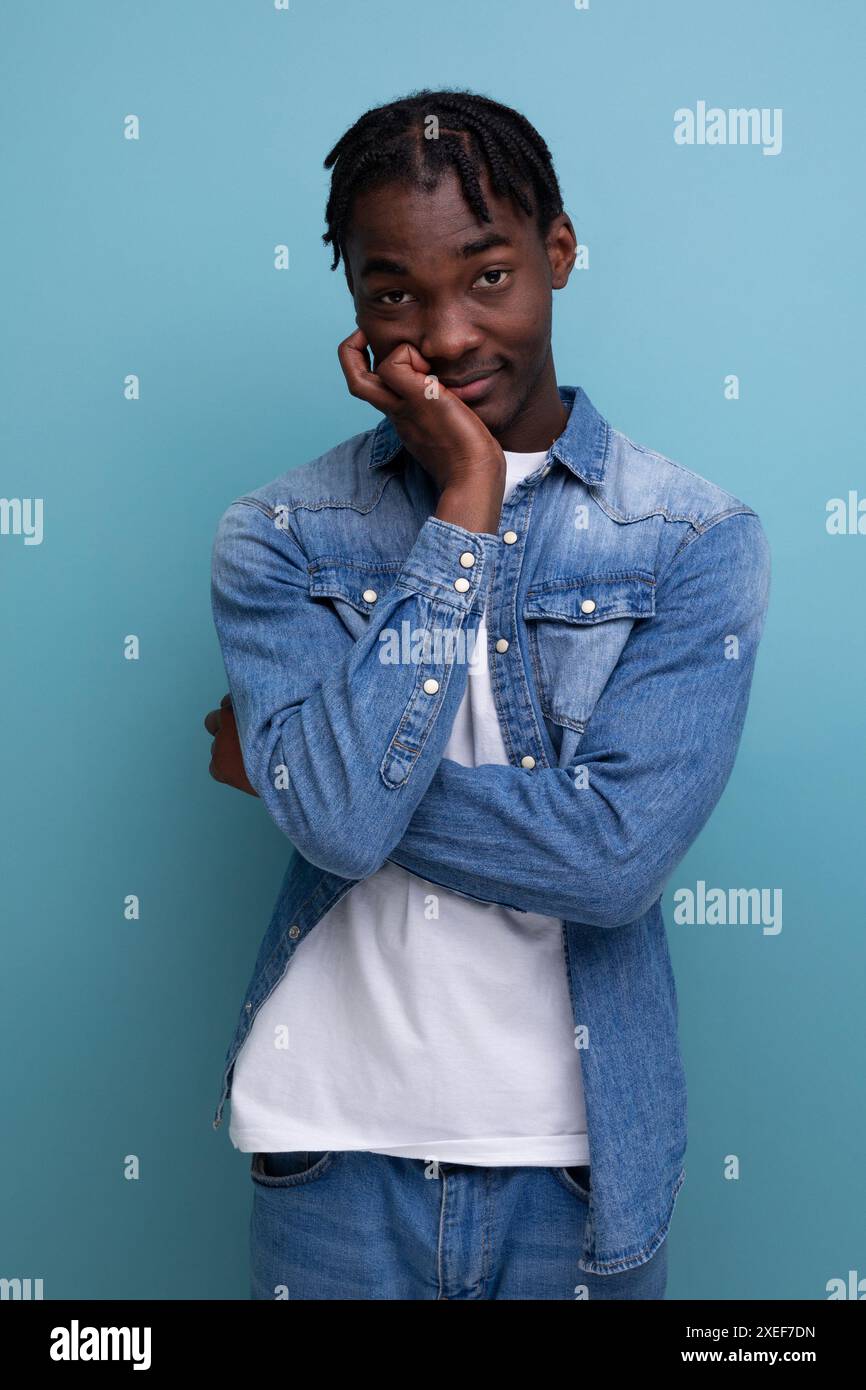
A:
(560, 242)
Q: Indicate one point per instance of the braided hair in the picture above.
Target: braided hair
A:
(391, 143)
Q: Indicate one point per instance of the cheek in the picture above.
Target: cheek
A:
(383, 338)
(527, 325)
(538, 317)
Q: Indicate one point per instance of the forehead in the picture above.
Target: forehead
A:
(413, 224)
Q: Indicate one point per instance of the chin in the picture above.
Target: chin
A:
(490, 415)
(487, 409)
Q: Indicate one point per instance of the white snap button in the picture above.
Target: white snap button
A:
(370, 595)
(527, 760)
(510, 537)
(294, 932)
(431, 685)
(461, 585)
(588, 606)
(502, 644)
(467, 559)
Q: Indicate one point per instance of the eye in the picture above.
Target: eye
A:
(386, 299)
(495, 284)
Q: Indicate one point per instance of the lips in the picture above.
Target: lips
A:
(472, 387)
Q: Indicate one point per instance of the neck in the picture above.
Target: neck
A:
(539, 420)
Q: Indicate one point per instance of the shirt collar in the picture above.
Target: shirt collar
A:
(582, 446)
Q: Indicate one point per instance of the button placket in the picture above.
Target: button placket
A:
(519, 731)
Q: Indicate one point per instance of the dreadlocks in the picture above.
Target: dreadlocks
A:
(472, 132)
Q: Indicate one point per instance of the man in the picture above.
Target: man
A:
(489, 664)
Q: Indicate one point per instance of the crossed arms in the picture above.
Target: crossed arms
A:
(346, 752)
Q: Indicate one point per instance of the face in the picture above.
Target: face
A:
(473, 297)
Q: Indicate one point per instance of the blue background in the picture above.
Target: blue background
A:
(155, 257)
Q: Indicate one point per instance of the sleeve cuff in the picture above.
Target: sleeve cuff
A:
(450, 564)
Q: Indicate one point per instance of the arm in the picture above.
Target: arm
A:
(658, 752)
(341, 759)
(339, 745)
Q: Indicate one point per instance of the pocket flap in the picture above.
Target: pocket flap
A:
(334, 576)
(592, 598)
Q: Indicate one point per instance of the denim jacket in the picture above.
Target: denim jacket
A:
(627, 597)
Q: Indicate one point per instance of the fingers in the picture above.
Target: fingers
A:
(213, 721)
(405, 371)
(363, 383)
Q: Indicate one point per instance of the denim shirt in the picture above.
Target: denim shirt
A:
(627, 596)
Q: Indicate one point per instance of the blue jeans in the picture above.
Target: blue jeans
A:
(355, 1225)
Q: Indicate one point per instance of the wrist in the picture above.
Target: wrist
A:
(474, 506)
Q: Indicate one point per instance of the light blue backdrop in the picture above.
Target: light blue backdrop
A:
(155, 257)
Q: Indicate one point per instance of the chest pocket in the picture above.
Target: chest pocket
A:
(577, 626)
(354, 586)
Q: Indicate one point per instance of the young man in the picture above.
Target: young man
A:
(489, 664)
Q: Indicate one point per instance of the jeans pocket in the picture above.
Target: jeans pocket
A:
(575, 1180)
(289, 1169)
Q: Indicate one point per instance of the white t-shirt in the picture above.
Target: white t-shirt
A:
(417, 1022)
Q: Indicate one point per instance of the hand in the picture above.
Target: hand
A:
(447, 438)
(226, 760)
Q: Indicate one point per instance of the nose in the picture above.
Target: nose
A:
(448, 336)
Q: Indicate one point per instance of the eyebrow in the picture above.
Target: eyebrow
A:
(383, 265)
